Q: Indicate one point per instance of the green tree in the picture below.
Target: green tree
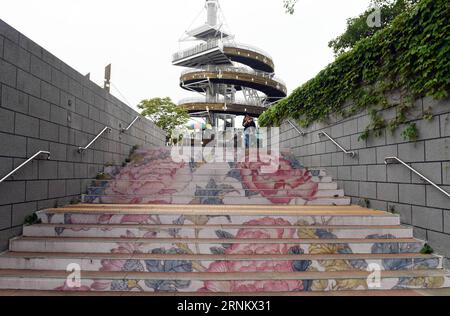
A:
(164, 113)
(359, 28)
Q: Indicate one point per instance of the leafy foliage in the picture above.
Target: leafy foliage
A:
(427, 250)
(164, 113)
(31, 220)
(378, 123)
(412, 54)
(364, 203)
(392, 209)
(410, 132)
(358, 27)
(428, 114)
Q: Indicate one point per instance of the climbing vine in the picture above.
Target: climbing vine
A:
(412, 55)
(411, 133)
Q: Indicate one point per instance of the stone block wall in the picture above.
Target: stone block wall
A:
(367, 179)
(47, 105)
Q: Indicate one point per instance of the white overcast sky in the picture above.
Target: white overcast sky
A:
(139, 36)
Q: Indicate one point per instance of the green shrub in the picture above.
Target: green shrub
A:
(427, 250)
(31, 220)
(410, 132)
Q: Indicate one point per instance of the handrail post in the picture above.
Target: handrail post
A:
(25, 163)
(388, 160)
(123, 130)
(350, 153)
(82, 149)
(298, 130)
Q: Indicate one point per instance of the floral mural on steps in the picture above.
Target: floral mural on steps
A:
(258, 266)
(247, 266)
(152, 177)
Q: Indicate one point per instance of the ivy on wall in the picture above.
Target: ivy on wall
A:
(412, 56)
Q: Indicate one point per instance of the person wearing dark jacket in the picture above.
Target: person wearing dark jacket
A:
(249, 128)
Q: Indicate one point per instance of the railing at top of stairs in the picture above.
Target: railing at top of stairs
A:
(352, 154)
(396, 160)
(25, 163)
(296, 128)
(82, 149)
(123, 130)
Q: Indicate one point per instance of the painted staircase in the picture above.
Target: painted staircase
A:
(223, 229)
(152, 177)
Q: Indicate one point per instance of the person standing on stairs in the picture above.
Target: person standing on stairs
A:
(249, 129)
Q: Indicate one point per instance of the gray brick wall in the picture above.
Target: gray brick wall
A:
(393, 186)
(46, 105)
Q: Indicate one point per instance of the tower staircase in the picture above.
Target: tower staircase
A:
(157, 227)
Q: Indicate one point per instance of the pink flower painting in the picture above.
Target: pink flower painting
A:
(256, 266)
(151, 178)
(281, 187)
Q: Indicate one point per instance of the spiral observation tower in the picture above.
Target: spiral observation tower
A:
(229, 78)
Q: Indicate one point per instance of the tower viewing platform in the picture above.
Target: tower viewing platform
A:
(232, 78)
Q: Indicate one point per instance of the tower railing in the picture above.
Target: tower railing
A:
(247, 47)
(217, 43)
(233, 69)
(196, 50)
(260, 103)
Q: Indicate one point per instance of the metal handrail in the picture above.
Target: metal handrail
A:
(300, 131)
(123, 130)
(350, 153)
(389, 160)
(81, 149)
(25, 163)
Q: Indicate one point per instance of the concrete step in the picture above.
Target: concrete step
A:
(366, 293)
(235, 282)
(288, 192)
(225, 168)
(214, 245)
(241, 209)
(199, 178)
(377, 293)
(317, 172)
(99, 184)
(217, 215)
(213, 231)
(213, 200)
(253, 263)
(237, 192)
